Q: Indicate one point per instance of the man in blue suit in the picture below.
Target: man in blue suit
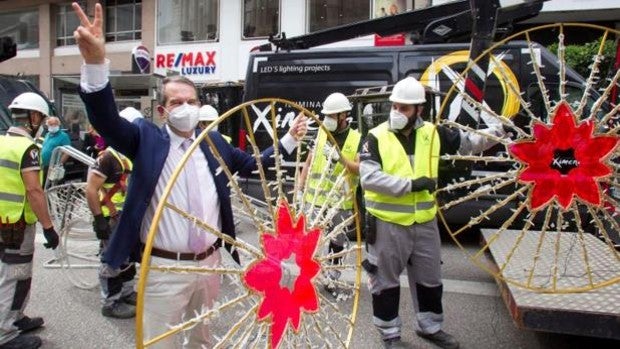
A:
(155, 153)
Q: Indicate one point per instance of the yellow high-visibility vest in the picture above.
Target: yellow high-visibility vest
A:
(13, 201)
(414, 207)
(319, 165)
(119, 188)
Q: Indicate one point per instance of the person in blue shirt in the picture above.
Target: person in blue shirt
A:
(55, 137)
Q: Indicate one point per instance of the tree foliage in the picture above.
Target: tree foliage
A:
(581, 57)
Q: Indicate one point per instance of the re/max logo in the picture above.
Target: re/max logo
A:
(186, 59)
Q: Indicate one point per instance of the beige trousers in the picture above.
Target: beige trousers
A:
(171, 298)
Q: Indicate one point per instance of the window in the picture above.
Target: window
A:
(187, 20)
(66, 23)
(123, 20)
(261, 18)
(384, 8)
(331, 13)
(22, 27)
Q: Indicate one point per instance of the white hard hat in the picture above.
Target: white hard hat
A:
(130, 114)
(408, 91)
(336, 103)
(30, 101)
(207, 113)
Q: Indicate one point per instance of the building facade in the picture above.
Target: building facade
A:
(207, 40)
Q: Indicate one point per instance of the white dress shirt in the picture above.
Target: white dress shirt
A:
(173, 230)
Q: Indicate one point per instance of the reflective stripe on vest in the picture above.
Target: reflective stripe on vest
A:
(415, 207)
(13, 201)
(113, 204)
(319, 165)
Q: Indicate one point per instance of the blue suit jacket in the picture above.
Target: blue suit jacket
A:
(147, 146)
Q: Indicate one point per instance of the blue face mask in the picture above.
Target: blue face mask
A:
(53, 129)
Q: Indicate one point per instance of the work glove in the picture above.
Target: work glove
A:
(101, 227)
(369, 267)
(423, 183)
(331, 153)
(52, 238)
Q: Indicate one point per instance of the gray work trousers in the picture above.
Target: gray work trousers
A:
(418, 249)
(15, 279)
(115, 283)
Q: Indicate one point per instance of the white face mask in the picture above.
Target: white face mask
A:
(184, 117)
(53, 129)
(330, 124)
(398, 120)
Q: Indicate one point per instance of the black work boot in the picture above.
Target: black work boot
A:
(26, 324)
(441, 339)
(23, 341)
(131, 299)
(119, 310)
(394, 343)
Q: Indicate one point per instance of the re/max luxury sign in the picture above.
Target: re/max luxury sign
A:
(198, 64)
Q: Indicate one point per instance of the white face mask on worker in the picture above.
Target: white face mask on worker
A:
(330, 124)
(398, 120)
(184, 117)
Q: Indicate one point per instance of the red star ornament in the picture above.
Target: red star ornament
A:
(284, 276)
(564, 160)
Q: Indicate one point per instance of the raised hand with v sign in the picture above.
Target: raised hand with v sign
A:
(89, 35)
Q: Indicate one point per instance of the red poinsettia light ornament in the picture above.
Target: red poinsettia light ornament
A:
(564, 160)
(284, 276)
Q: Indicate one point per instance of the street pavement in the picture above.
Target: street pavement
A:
(474, 312)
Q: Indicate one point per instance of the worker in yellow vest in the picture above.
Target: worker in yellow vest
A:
(324, 164)
(398, 173)
(206, 115)
(105, 193)
(22, 203)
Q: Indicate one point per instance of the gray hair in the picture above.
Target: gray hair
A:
(52, 118)
(178, 79)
